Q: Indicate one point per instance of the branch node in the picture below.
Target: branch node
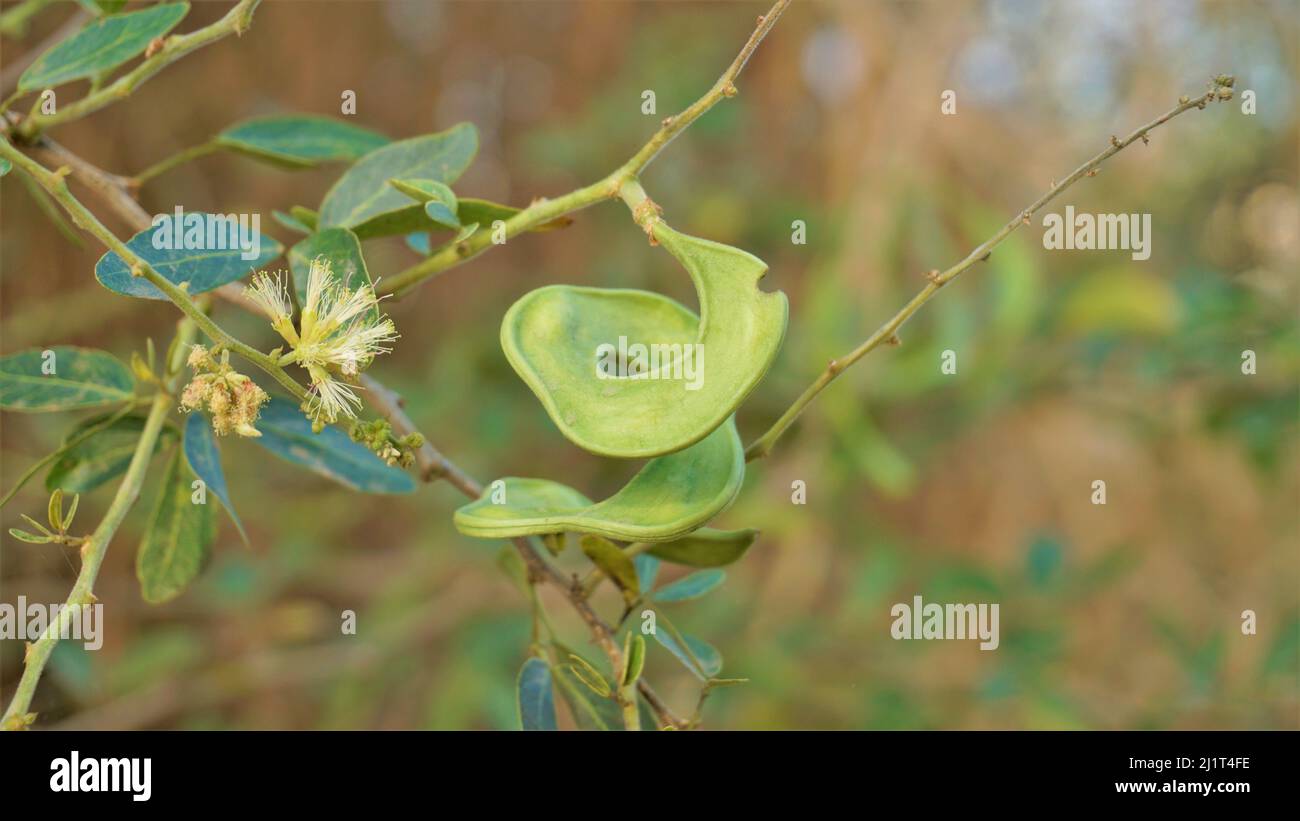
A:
(932, 276)
(894, 340)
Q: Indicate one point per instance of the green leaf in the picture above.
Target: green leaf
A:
(647, 569)
(363, 200)
(101, 46)
(710, 660)
(555, 338)
(305, 215)
(670, 496)
(331, 453)
(419, 242)
(589, 676)
(536, 700)
(204, 459)
(590, 711)
(5, 165)
(80, 378)
(614, 562)
(291, 222)
(30, 538)
(300, 140)
(198, 269)
(177, 539)
(706, 547)
(633, 657)
(691, 587)
(340, 246)
(439, 200)
(101, 458)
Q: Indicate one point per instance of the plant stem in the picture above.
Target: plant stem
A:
(96, 545)
(235, 21)
(55, 183)
(177, 159)
(761, 446)
(14, 21)
(606, 188)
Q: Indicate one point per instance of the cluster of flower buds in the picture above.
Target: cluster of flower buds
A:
(232, 399)
(377, 435)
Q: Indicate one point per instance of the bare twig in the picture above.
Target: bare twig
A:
(761, 446)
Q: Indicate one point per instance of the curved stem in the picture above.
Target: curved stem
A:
(96, 545)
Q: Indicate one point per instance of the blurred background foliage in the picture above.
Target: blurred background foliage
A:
(1073, 366)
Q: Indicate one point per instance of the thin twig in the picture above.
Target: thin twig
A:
(235, 21)
(761, 446)
(96, 545)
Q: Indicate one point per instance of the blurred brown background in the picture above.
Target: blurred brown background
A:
(1073, 366)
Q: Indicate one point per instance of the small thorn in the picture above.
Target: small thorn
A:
(933, 276)
(1115, 141)
(895, 340)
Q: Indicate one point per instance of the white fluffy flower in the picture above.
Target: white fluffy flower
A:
(340, 333)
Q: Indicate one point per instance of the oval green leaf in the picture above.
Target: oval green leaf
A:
(691, 587)
(300, 140)
(177, 539)
(101, 458)
(363, 200)
(706, 547)
(101, 46)
(439, 200)
(198, 269)
(668, 381)
(647, 568)
(670, 496)
(68, 378)
(291, 222)
(340, 246)
(331, 453)
(710, 660)
(205, 460)
(536, 698)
